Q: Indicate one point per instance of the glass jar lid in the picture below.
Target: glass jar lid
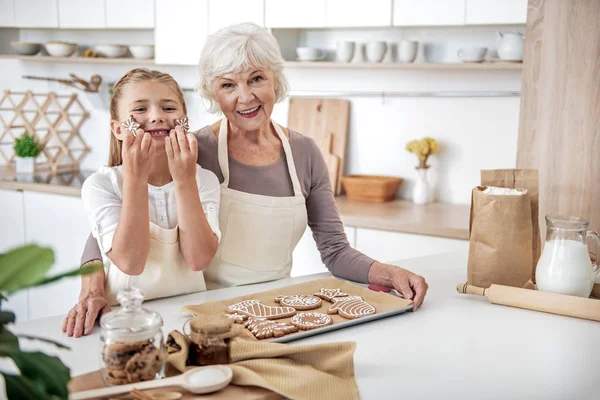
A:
(131, 322)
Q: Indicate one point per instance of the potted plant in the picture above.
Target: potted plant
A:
(39, 376)
(423, 149)
(26, 150)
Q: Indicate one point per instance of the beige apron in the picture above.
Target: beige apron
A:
(258, 233)
(166, 273)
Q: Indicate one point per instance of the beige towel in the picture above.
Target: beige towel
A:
(321, 371)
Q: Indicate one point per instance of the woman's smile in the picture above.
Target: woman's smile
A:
(250, 113)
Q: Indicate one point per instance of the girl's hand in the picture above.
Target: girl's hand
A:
(138, 152)
(182, 154)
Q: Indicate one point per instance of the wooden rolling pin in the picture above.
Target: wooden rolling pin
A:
(553, 303)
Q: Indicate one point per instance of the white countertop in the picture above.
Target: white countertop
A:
(454, 347)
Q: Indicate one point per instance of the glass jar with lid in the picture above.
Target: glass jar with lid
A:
(132, 342)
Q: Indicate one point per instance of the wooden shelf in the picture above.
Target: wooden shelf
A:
(414, 66)
(485, 66)
(80, 60)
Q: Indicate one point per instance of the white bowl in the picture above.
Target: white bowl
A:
(310, 54)
(111, 50)
(142, 51)
(26, 48)
(61, 49)
(472, 54)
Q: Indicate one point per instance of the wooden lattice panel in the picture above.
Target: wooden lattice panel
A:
(54, 120)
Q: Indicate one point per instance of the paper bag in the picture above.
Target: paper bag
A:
(500, 250)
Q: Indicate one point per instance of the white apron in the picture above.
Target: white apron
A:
(258, 233)
(166, 273)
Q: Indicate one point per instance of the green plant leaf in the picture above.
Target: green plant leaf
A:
(6, 317)
(46, 373)
(21, 388)
(50, 341)
(8, 341)
(79, 271)
(24, 266)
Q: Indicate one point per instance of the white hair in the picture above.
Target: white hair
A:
(239, 48)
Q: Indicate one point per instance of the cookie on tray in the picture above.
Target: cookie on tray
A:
(300, 301)
(237, 317)
(263, 328)
(254, 308)
(351, 307)
(311, 320)
(330, 294)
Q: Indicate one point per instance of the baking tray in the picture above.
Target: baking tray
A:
(386, 305)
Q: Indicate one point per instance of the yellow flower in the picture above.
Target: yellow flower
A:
(423, 148)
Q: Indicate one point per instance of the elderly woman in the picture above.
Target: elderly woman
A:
(273, 182)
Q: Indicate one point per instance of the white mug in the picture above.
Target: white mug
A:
(376, 50)
(407, 51)
(344, 51)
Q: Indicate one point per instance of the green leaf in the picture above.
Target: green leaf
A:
(6, 317)
(46, 373)
(79, 271)
(50, 341)
(18, 387)
(24, 266)
(8, 341)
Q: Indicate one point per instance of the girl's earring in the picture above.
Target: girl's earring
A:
(183, 123)
(131, 125)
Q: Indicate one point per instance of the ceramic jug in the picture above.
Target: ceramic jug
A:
(565, 265)
(511, 46)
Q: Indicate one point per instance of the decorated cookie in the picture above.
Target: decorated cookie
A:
(311, 320)
(254, 308)
(263, 328)
(329, 294)
(237, 317)
(351, 307)
(300, 301)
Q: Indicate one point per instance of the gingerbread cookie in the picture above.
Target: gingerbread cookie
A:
(330, 294)
(263, 328)
(254, 308)
(308, 321)
(351, 307)
(300, 301)
(237, 318)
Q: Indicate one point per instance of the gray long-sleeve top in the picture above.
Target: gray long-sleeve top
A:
(274, 180)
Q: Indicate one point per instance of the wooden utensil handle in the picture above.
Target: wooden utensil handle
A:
(114, 390)
(465, 288)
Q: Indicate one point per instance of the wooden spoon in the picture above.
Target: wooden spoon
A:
(198, 380)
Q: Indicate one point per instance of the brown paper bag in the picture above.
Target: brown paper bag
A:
(500, 250)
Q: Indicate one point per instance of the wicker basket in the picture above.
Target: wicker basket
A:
(371, 188)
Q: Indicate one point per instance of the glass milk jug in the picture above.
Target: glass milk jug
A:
(565, 265)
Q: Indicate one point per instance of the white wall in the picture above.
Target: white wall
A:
(475, 133)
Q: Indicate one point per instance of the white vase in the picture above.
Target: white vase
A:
(422, 192)
(25, 165)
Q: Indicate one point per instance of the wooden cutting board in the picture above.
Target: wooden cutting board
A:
(93, 380)
(332, 160)
(316, 118)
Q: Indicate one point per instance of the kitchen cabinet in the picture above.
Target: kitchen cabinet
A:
(12, 234)
(429, 12)
(36, 13)
(130, 14)
(58, 222)
(358, 13)
(7, 13)
(480, 12)
(222, 13)
(180, 32)
(88, 14)
(295, 14)
(387, 246)
(307, 259)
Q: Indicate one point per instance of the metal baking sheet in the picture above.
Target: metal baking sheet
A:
(351, 322)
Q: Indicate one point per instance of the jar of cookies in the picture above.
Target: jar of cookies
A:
(132, 342)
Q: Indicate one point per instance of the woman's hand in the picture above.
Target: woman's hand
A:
(81, 318)
(182, 154)
(138, 152)
(411, 286)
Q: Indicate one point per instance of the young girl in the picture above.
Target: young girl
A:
(153, 210)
